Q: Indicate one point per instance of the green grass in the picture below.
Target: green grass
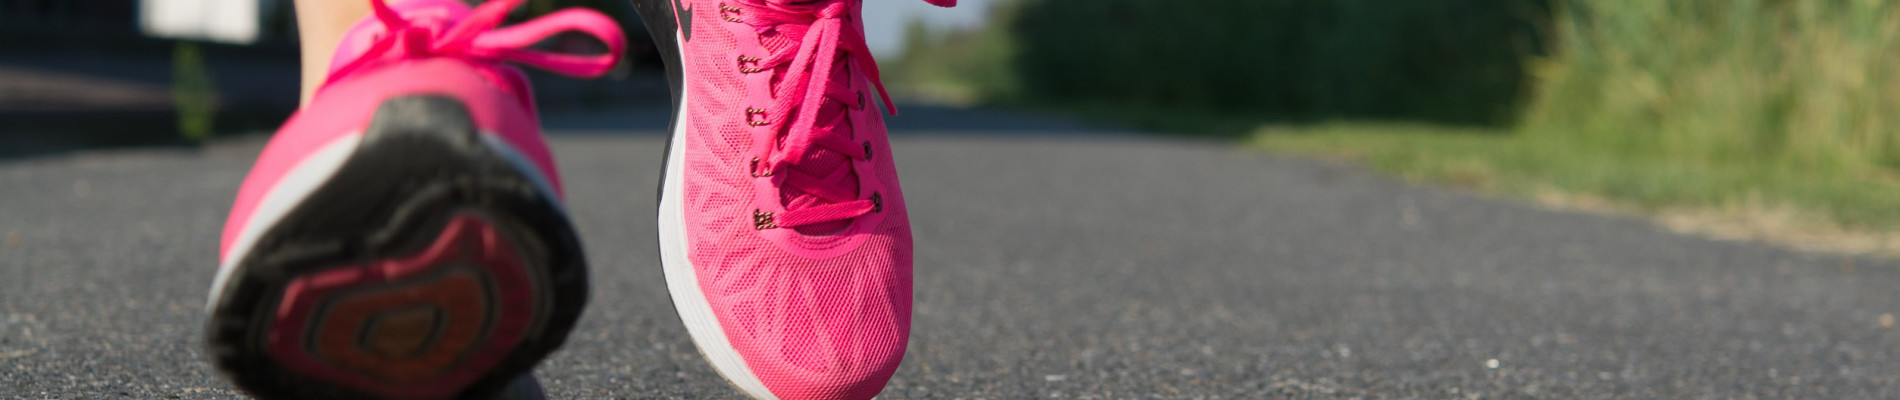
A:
(1714, 105)
(1534, 166)
(1723, 108)
(1796, 84)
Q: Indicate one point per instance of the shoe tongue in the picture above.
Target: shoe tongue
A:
(437, 15)
(782, 38)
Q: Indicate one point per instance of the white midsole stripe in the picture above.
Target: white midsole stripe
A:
(681, 279)
(534, 172)
(290, 191)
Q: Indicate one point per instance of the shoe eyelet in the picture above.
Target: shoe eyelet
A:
(749, 65)
(877, 202)
(756, 117)
(762, 220)
(756, 172)
(731, 13)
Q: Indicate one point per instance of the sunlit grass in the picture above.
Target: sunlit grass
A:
(1727, 110)
(1730, 197)
(1718, 108)
(1800, 84)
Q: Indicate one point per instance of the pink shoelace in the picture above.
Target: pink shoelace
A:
(806, 85)
(476, 38)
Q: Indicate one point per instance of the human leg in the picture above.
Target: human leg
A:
(321, 25)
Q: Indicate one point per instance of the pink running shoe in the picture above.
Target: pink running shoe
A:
(783, 232)
(402, 236)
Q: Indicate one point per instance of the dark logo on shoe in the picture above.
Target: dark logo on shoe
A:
(685, 15)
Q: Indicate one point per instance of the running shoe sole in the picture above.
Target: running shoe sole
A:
(429, 263)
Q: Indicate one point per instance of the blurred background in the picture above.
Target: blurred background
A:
(87, 73)
(1760, 119)
(1747, 117)
(90, 73)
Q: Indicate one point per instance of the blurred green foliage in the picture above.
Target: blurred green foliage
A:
(1654, 104)
(1729, 105)
(957, 67)
(1761, 91)
(194, 95)
(1453, 61)
(1809, 83)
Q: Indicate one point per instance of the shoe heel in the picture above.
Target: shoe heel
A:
(432, 265)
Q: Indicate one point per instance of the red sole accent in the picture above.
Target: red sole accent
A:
(424, 327)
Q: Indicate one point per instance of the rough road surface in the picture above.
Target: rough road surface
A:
(1051, 263)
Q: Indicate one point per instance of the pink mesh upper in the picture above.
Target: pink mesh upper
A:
(443, 55)
(817, 311)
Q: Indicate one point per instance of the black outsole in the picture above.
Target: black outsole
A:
(420, 163)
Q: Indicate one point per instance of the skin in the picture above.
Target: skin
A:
(320, 26)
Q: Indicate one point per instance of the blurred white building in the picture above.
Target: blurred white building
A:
(228, 21)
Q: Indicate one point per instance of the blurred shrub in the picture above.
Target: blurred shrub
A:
(1440, 60)
(1808, 84)
(1660, 102)
(959, 67)
(194, 95)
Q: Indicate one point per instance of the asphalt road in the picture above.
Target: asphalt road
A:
(1052, 262)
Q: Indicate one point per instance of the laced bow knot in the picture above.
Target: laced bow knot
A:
(476, 37)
